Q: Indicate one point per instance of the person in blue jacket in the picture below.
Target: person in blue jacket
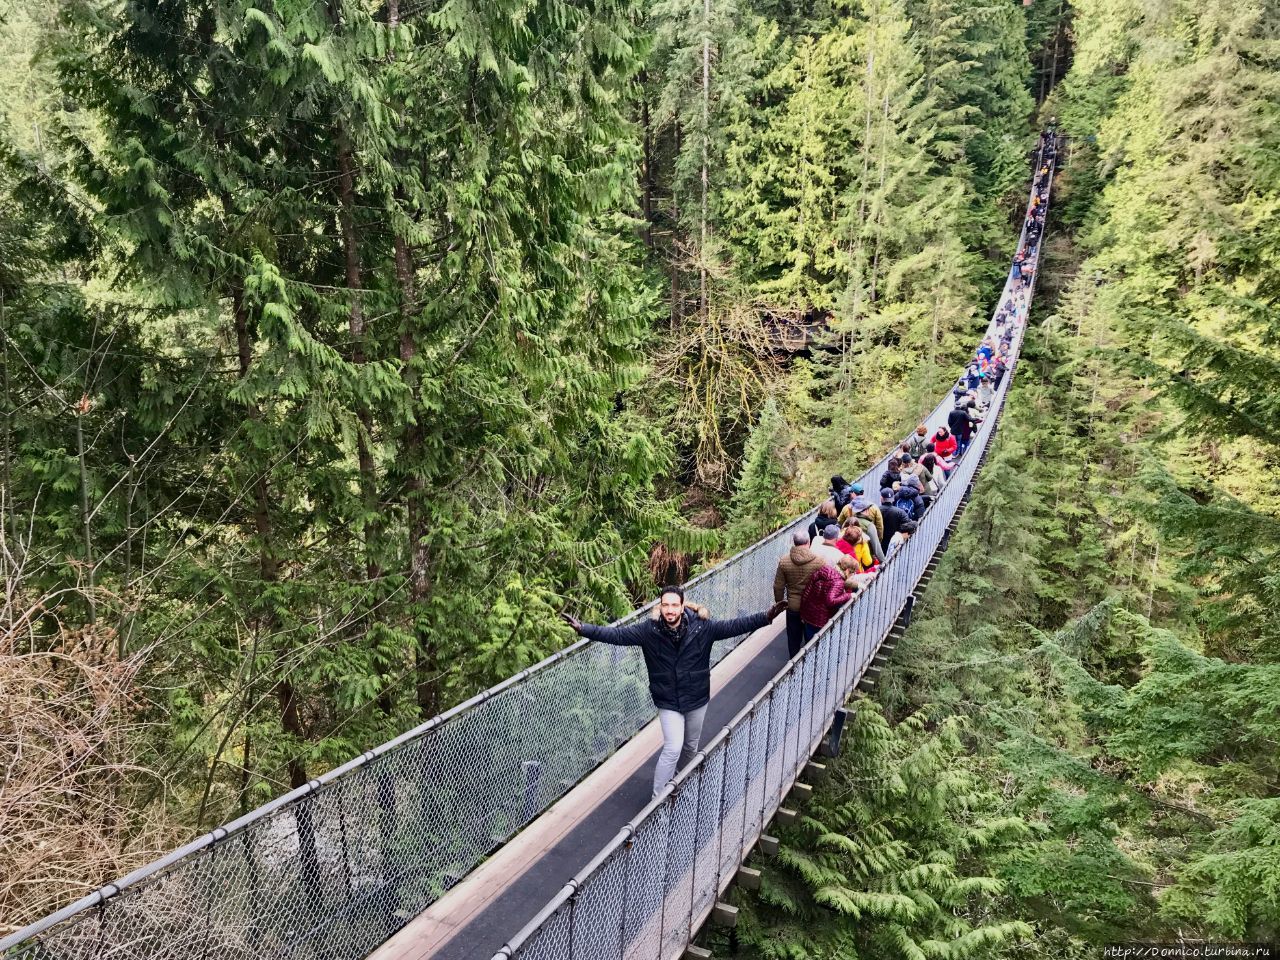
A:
(676, 640)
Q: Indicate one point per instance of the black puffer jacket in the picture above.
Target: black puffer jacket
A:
(894, 518)
(679, 660)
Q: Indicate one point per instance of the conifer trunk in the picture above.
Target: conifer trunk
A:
(676, 312)
(8, 530)
(355, 324)
(884, 137)
(646, 179)
(86, 524)
(427, 689)
(268, 565)
(1057, 30)
(425, 666)
(706, 136)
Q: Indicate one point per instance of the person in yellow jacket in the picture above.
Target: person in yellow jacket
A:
(869, 517)
(853, 543)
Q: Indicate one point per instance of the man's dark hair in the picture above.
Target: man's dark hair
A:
(672, 588)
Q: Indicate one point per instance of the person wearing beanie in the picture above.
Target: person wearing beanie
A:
(894, 517)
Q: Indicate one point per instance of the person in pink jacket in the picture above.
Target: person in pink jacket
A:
(824, 594)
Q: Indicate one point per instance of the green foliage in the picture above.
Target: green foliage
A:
(335, 361)
(1238, 879)
(889, 859)
(760, 500)
(323, 324)
(848, 187)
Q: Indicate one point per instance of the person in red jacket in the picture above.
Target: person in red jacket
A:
(944, 443)
(823, 596)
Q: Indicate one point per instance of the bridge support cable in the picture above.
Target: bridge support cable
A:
(336, 867)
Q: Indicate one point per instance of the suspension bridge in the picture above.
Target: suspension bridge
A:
(520, 823)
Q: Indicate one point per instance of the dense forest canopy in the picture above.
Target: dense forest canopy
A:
(343, 343)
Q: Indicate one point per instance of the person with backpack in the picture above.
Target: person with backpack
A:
(869, 511)
(911, 468)
(893, 516)
(676, 640)
(841, 492)
(908, 498)
(915, 443)
(868, 516)
(827, 513)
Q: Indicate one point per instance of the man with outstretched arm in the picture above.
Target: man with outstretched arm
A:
(676, 640)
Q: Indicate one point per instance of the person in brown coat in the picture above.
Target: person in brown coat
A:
(794, 571)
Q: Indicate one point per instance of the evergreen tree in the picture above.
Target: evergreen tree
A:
(355, 482)
(760, 499)
(890, 858)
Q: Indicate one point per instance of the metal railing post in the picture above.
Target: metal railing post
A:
(628, 845)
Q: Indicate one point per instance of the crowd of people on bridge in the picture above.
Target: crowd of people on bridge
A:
(857, 532)
(854, 535)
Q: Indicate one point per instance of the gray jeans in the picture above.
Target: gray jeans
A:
(681, 734)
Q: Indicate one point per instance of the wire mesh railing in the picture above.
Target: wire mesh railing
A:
(333, 868)
(646, 894)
